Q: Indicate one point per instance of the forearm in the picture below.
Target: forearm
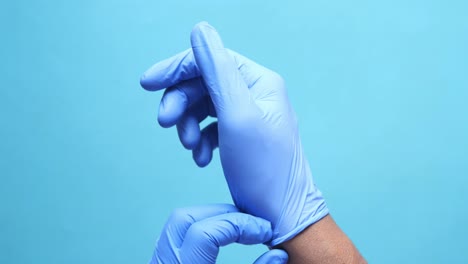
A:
(322, 242)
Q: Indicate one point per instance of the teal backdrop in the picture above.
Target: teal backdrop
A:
(380, 89)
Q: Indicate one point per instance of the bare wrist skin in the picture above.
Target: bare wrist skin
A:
(322, 242)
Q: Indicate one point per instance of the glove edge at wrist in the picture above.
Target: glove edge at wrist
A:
(322, 212)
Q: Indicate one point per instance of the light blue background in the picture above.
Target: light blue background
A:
(380, 88)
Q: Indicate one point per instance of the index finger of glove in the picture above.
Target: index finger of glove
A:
(204, 238)
(182, 218)
(170, 71)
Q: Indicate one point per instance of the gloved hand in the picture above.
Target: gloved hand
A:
(257, 132)
(194, 235)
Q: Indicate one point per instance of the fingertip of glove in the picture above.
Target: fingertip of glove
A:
(144, 82)
(201, 27)
(201, 24)
(205, 35)
(169, 112)
(280, 256)
(147, 83)
(164, 121)
(201, 161)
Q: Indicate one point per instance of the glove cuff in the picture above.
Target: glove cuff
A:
(317, 215)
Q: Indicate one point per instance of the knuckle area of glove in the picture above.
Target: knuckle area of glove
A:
(180, 216)
(200, 233)
(276, 77)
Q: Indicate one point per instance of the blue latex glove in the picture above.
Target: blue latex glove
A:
(256, 131)
(194, 235)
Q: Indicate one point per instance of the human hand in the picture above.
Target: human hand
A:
(194, 235)
(256, 130)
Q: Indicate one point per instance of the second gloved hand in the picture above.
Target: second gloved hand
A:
(194, 235)
(257, 132)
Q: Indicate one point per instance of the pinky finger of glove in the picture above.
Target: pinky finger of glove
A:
(274, 256)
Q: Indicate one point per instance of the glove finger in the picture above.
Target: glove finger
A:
(274, 256)
(170, 71)
(179, 222)
(178, 98)
(188, 127)
(183, 67)
(219, 70)
(188, 130)
(203, 239)
(203, 153)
